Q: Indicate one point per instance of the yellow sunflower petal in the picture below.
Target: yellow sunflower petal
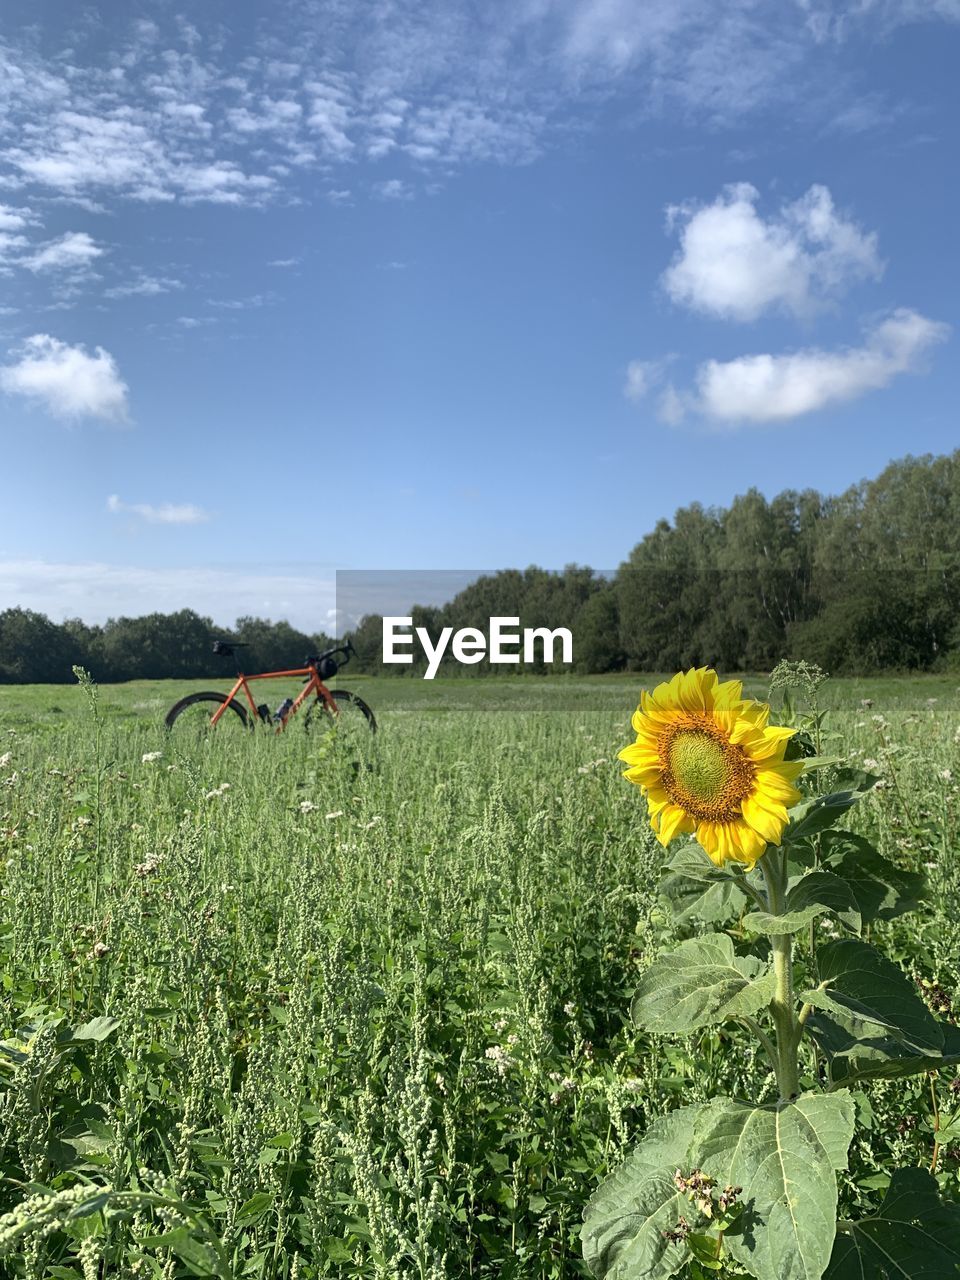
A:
(776, 782)
(752, 845)
(767, 824)
(673, 820)
(638, 753)
(773, 743)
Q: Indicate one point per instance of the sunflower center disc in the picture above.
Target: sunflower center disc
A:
(700, 767)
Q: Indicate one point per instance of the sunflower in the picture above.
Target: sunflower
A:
(710, 765)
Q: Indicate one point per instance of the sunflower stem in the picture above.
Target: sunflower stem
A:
(783, 1005)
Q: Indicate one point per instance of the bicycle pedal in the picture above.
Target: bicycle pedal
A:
(263, 711)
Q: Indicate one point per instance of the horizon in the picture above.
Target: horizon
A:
(351, 288)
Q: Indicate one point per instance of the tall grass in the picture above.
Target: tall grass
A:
(272, 1009)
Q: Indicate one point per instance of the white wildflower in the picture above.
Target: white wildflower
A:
(150, 757)
(5, 759)
(337, 813)
(502, 1061)
(307, 806)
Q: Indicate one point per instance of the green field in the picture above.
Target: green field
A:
(372, 1011)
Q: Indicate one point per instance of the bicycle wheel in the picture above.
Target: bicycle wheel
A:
(353, 723)
(192, 715)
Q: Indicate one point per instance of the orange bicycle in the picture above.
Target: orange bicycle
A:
(327, 707)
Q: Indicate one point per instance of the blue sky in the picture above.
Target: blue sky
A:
(299, 287)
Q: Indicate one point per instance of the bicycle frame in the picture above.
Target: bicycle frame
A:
(314, 685)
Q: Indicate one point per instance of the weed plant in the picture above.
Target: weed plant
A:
(271, 1009)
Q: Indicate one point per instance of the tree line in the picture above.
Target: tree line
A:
(866, 581)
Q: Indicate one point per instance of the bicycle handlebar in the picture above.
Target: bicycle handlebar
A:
(348, 651)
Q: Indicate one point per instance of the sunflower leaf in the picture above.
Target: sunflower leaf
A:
(814, 894)
(709, 902)
(699, 983)
(626, 1217)
(913, 1236)
(881, 1059)
(868, 1019)
(814, 816)
(882, 890)
(690, 860)
(784, 1158)
(789, 922)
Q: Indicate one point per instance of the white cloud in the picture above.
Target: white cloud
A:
(394, 189)
(284, 262)
(11, 244)
(777, 388)
(643, 376)
(145, 286)
(826, 23)
(166, 114)
(67, 381)
(12, 219)
(250, 303)
(97, 591)
(72, 252)
(734, 264)
(165, 513)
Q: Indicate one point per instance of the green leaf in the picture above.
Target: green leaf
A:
(337, 1250)
(185, 1246)
(824, 889)
(784, 1157)
(887, 1059)
(252, 1210)
(789, 922)
(817, 815)
(626, 1217)
(95, 1204)
(709, 903)
(882, 890)
(914, 1235)
(96, 1029)
(866, 1004)
(690, 860)
(699, 983)
(814, 894)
